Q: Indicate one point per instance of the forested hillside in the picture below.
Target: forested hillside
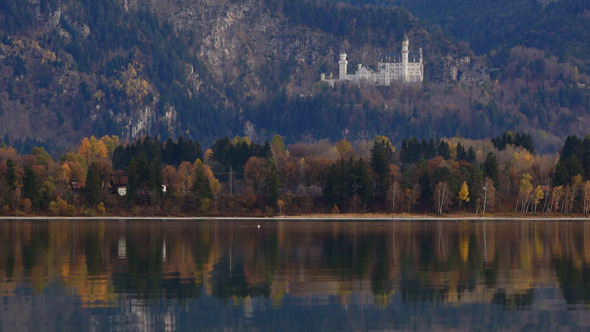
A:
(202, 70)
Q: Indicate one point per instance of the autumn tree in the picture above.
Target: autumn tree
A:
(185, 177)
(272, 179)
(538, 195)
(463, 195)
(489, 195)
(344, 148)
(442, 197)
(41, 156)
(277, 146)
(110, 143)
(170, 179)
(524, 193)
(254, 172)
(92, 149)
(201, 187)
(586, 196)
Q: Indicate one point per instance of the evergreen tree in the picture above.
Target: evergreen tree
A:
(490, 168)
(133, 182)
(364, 183)
(10, 174)
(31, 188)
(381, 155)
(461, 154)
(425, 187)
(445, 151)
(93, 186)
(143, 169)
(156, 179)
(471, 155)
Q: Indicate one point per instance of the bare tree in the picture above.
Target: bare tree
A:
(393, 195)
(586, 199)
(442, 196)
(489, 195)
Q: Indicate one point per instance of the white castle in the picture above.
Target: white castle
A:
(405, 67)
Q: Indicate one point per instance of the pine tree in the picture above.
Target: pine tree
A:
(156, 180)
(93, 186)
(425, 190)
(133, 181)
(490, 168)
(31, 188)
(381, 155)
(10, 174)
(364, 182)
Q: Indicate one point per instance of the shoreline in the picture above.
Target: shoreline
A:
(316, 217)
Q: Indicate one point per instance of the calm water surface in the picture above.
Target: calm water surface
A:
(293, 275)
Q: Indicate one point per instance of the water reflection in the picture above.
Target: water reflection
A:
(423, 267)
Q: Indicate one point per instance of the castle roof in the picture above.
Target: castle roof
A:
(397, 57)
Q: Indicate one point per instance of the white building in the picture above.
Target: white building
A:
(405, 67)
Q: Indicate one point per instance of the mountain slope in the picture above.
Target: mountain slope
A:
(205, 69)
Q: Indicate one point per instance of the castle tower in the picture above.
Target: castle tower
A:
(421, 56)
(343, 66)
(405, 53)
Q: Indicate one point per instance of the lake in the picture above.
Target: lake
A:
(159, 275)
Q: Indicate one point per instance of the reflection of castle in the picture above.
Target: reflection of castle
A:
(404, 67)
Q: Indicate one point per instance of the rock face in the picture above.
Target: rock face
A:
(244, 43)
(465, 71)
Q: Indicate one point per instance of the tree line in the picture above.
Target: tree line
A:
(238, 176)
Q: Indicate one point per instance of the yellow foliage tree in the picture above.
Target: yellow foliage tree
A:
(213, 182)
(538, 195)
(110, 143)
(92, 149)
(524, 193)
(464, 193)
(344, 147)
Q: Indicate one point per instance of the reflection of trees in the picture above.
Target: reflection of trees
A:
(229, 280)
(37, 246)
(267, 251)
(415, 285)
(381, 283)
(348, 258)
(422, 262)
(144, 276)
(7, 253)
(574, 281)
(514, 301)
(93, 249)
(144, 267)
(490, 271)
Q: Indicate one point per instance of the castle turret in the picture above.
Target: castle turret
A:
(343, 66)
(421, 55)
(405, 53)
